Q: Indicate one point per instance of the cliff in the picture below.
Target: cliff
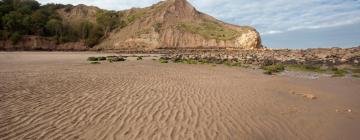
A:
(177, 24)
(167, 24)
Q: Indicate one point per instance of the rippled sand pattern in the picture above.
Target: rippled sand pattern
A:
(49, 96)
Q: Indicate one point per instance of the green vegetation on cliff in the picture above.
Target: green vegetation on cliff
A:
(209, 30)
(28, 17)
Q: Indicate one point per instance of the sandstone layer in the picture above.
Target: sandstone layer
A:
(37, 43)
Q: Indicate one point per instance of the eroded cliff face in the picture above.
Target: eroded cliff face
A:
(79, 13)
(177, 24)
(29, 43)
(167, 24)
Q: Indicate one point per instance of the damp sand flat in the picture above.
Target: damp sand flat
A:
(58, 95)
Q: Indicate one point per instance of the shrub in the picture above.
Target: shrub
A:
(164, 61)
(115, 58)
(177, 60)
(101, 58)
(92, 59)
(68, 9)
(268, 72)
(273, 69)
(110, 57)
(4, 34)
(158, 27)
(164, 58)
(95, 62)
(15, 37)
(139, 58)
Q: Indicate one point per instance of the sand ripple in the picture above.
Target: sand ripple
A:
(60, 98)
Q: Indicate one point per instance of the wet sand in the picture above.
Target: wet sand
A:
(58, 95)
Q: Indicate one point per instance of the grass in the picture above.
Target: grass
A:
(228, 64)
(308, 68)
(209, 30)
(190, 61)
(204, 61)
(139, 58)
(135, 14)
(273, 69)
(356, 70)
(163, 61)
(335, 72)
(355, 76)
(338, 72)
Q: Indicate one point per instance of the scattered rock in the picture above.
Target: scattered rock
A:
(318, 57)
(310, 96)
(305, 95)
(343, 110)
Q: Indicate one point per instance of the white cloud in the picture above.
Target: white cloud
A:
(271, 32)
(268, 16)
(277, 16)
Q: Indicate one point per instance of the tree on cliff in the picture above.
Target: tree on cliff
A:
(108, 20)
(55, 28)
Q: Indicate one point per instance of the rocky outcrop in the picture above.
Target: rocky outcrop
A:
(177, 24)
(265, 57)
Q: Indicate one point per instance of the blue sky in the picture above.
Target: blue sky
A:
(282, 23)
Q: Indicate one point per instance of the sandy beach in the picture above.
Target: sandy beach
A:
(59, 95)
